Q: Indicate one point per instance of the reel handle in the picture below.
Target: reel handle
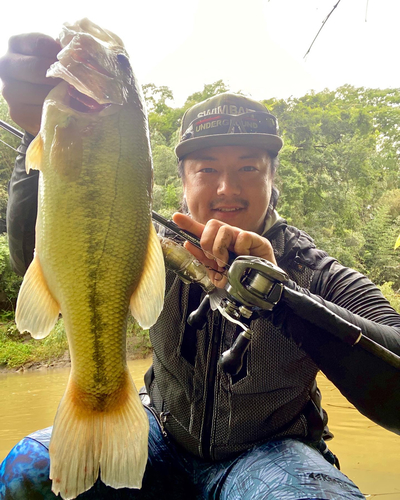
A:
(231, 361)
(198, 318)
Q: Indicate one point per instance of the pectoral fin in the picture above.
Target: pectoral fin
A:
(34, 154)
(148, 299)
(37, 311)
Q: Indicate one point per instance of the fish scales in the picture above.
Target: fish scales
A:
(100, 244)
(96, 256)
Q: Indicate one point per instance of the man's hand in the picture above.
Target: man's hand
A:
(23, 74)
(216, 239)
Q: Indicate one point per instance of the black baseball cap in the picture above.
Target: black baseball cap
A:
(228, 120)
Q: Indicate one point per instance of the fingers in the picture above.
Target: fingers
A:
(27, 117)
(248, 243)
(26, 93)
(187, 223)
(214, 237)
(30, 69)
(36, 44)
(28, 58)
(23, 74)
(217, 238)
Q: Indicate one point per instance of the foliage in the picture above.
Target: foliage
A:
(9, 281)
(380, 258)
(392, 296)
(208, 91)
(137, 340)
(339, 164)
(18, 349)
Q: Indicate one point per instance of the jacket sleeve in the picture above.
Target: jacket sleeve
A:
(21, 211)
(355, 298)
(367, 380)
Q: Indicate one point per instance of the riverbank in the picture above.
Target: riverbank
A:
(19, 352)
(139, 352)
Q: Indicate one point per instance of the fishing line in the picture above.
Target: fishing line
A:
(11, 129)
(9, 145)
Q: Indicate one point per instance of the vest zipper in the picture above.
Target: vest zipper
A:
(160, 418)
(211, 383)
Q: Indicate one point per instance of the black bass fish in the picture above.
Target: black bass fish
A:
(97, 256)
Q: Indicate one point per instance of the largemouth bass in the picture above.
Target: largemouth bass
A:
(97, 256)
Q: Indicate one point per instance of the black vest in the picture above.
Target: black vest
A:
(212, 414)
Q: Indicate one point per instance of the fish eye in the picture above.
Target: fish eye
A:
(124, 61)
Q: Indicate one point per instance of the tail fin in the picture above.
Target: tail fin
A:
(84, 442)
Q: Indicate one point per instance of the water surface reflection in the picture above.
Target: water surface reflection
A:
(368, 454)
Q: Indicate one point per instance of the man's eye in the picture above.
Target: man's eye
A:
(207, 170)
(248, 169)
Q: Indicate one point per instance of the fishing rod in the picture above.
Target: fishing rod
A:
(254, 283)
(12, 130)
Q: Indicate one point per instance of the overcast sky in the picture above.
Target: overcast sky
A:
(256, 46)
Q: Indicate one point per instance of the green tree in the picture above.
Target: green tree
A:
(163, 119)
(340, 157)
(9, 281)
(165, 165)
(380, 257)
(208, 91)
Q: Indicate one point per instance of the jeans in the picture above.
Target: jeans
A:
(284, 469)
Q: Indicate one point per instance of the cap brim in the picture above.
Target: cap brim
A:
(269, 142)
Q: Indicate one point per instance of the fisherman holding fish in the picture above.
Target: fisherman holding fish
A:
(259, 433)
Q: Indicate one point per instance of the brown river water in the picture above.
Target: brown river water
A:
(368, 454)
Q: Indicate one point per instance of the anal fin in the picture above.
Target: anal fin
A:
(37, 311)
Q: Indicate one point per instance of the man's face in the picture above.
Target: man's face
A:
(230, 183)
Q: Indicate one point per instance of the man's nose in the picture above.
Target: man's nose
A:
(228, 185)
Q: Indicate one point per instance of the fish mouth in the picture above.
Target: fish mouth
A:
(83, 103)
(94, 69)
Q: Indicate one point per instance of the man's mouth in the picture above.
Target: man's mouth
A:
(225, 209)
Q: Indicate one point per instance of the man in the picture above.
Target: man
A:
(261, 433)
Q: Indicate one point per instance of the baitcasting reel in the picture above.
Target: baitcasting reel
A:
(253, 283)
